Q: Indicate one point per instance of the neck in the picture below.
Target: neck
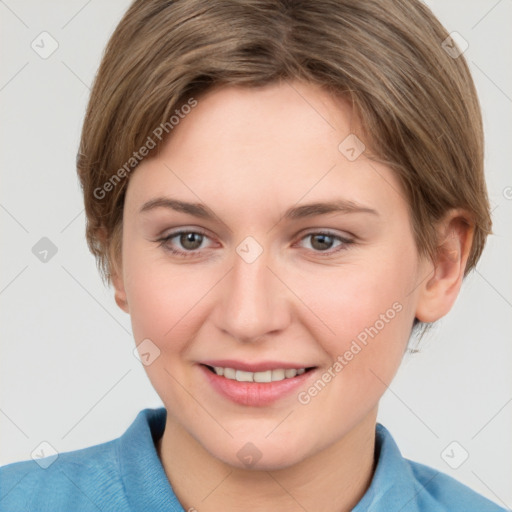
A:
(334, 479)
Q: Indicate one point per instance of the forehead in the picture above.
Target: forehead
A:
(272, 145)
(287, 112)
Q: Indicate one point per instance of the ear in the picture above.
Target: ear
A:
(116, 272)
(120, 293)
(439, 291)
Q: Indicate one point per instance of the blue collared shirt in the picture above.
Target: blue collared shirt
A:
(126, 475)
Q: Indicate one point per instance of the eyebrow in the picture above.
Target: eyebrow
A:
(293, 213)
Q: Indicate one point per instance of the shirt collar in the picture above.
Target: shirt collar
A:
(393, 486)
(145, 481)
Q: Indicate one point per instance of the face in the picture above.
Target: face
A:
(260, 284)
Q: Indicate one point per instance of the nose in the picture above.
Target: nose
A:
(254, 302)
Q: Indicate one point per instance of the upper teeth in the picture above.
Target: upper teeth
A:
(266, 376)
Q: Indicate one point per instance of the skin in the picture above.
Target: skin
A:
(249, 154)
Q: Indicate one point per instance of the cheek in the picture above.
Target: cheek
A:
(165, 299)
(367, 311)
(165, 304)
(352, 298)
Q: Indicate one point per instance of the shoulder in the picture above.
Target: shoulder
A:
(77, 480)
(120, 475)
(439, 491)
(402, 484)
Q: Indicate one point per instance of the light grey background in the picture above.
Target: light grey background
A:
(68, 374)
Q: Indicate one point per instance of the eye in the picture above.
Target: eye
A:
(322, 242)
(190, 241)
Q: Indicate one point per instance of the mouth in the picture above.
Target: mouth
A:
(256, 385)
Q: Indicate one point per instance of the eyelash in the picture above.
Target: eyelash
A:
(188, 254)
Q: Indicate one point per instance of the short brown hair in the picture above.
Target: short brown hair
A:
(416, 102)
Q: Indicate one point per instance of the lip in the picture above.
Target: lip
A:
(254, 394)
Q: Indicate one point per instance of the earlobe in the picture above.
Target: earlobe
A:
(440, 289)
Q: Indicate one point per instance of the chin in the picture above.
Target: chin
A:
(259, 456)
